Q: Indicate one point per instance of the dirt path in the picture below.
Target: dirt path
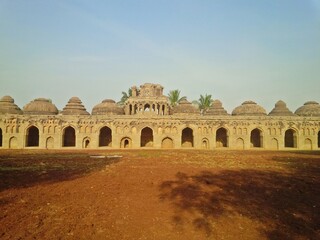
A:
(157, 194)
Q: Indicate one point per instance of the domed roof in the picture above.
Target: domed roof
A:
(7, 105)
(310, 108)
(107, 106)
(185, 107)
(280, 109)
(40, 106)
(216, 109)
(249, 108)
(74, 107)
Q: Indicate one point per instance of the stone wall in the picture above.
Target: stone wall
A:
(154, 131)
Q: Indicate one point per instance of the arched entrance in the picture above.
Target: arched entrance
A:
(50, 143)
(105, 137)
(0, 137)
(205, 143)
(256, 138)
(307, 144)
(69, 137)
(167, 143)
(240, 143)
(146, 139)
(221, 138)
(13, 143)
(86, 142)
(319, 139)
(125, 143)
(290, 139)
(187, 137)
(32, 137)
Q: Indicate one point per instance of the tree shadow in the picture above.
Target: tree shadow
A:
(28, 170)
(289, 202)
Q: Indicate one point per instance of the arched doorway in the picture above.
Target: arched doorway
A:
(319, 139)
(32, 137)
(0, 137)
(13, 142)
(256, 138)
(69, 137)
(205, 143)
(167, 143)
(50, 143)
(240, 143)
(125, 143)
(105, 137)
(221, 138)
(307, 144)
(86, 142)
(187, 137)
(146, 139)
(147, 108)
(290, 139)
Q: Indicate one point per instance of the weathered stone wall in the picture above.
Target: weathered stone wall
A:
(241, 132)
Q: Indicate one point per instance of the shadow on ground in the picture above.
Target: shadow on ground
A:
(27, 170)
(288, 204)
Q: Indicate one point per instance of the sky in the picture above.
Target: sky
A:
(235, 50)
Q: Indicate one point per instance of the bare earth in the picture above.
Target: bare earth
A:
(159, 194)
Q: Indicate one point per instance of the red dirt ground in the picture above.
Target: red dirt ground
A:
(159, 194)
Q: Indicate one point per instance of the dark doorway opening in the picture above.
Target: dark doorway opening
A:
(187, 137)
(69, 137)
(221, 138)
(105, 137)
(146, 137)
(290, 139)
(33, 137)
(256, 138)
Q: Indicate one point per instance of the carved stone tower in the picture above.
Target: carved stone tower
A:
(148, 100)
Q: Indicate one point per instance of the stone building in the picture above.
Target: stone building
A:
(148, 121)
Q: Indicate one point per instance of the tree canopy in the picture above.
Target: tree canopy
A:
(174, 97)
(204, 102)
(125, 96)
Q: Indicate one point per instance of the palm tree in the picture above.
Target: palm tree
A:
(174, 97)
(204, 102)
(125, 96)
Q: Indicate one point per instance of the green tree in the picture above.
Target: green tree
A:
(204, 102)
(125, 96)
(174, 97)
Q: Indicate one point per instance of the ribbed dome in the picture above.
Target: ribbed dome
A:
(216, 109)
(310, 108)
(108, 107)
(185, 107)
(249, 108)
(7, 105)
(280, 109)
(40, 106)
(74, 107)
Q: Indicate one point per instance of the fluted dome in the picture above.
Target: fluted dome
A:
(280, 109)
(216, 109)
(249, 108)
(108, 107)
(7, 105)
(310, 108)
(74, 107)
(40, 106)
(185, 107)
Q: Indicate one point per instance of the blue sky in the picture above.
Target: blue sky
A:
(236, 50)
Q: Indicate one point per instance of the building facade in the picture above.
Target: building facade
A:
(148, 121)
